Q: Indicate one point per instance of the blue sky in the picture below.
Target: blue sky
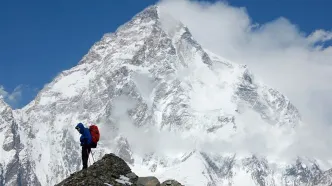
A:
(39, 39)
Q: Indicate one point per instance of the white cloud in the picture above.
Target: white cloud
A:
(320, 36)
(143, 139)
(12, 98)
(294, 62)
(3, 93)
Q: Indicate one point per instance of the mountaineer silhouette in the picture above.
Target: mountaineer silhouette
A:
(89, 139)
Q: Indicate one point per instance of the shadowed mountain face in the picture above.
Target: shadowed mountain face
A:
(149, 86)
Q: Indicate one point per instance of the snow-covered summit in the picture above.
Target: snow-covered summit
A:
(164, 104)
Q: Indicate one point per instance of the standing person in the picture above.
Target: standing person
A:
(85, 140)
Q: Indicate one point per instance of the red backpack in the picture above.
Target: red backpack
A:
(94, 131)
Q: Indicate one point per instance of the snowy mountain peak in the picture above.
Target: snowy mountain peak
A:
(149, 85)
(151, 12)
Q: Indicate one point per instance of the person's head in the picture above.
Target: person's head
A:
(80, 128)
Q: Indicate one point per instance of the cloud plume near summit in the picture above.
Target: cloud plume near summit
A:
(295, 63)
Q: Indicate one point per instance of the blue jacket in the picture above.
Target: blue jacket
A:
(85, 138)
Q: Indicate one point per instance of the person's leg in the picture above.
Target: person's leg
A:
(89, 150)
(85, 157)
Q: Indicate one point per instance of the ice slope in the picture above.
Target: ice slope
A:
(166, 106)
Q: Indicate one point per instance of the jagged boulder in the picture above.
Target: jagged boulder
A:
(171, 183)
(148, 181)
(132, 177)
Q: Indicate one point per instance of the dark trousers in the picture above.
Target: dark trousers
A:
(86, 149)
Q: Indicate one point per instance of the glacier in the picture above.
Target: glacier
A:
(164, 104)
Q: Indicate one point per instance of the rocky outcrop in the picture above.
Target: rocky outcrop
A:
(171, 183)
(112, 171)
(148, 181)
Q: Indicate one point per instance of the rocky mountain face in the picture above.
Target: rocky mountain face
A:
(147, 86)
(15, 169)
(9, 146)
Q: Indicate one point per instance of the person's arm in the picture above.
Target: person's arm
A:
(81, 140)
(84, 139)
